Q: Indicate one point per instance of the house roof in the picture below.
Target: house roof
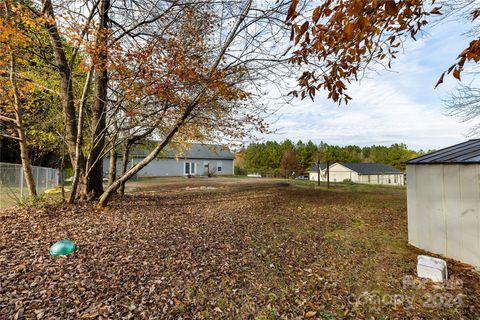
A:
(323, 166)
(370, 168)
(465, 152)
(196, 151)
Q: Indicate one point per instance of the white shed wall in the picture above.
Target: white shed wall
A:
(444, 210)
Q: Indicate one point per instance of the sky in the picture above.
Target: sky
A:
(397, 106)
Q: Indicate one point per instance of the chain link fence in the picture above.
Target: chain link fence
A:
(13, 185)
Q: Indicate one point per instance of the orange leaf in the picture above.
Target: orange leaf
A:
(440, 81)
(316, 15)
(456, 74)
(292, 10)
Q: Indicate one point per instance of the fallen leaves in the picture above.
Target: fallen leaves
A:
(244, 251)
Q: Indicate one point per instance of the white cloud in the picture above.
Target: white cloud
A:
(390, 107)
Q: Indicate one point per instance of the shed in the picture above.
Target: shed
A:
(443, 200)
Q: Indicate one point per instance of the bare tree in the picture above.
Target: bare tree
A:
(464, 104)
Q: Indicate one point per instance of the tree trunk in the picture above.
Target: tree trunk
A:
(18, 122)
(27, 168)
(77, 170)
(112, 171)
(66, 94)
(25, 157)
(126, 154)
(95, 176)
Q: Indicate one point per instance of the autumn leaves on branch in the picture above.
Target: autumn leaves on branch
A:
(342, 39)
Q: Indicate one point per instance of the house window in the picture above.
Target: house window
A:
(189, 168)
(219, 166)
(395, 179)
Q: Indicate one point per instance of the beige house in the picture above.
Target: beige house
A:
(370, 173)
(443, 200)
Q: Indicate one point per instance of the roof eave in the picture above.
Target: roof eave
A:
(442, 162)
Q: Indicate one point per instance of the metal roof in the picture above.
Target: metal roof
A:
(323, 166)
(370, 168)
(196, 151)
(465, 152)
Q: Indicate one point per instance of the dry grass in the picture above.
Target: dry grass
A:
(240, 249)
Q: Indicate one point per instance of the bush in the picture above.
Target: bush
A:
(239, 171)
(38, 201)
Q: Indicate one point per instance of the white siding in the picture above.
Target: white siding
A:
(412, 216)
(390, 179)
(444, 210)
(339, 173)
(172, 167)
(313, 176)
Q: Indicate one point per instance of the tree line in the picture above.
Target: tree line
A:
(289, 159)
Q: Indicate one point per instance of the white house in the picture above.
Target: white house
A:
(198, 160)
(443, 193)
(313, 173)
(370, 173)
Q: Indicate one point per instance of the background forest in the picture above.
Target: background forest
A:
(287, 159)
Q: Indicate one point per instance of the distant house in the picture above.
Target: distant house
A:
(443, 201)
(313, 173)
(370, 173)
(198, 160)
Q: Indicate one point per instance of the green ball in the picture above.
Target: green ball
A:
(62, 247)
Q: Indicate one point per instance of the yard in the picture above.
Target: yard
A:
(226, 248)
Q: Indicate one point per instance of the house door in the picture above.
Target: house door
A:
(206, 168)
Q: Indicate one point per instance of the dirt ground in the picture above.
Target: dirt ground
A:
(226, 248)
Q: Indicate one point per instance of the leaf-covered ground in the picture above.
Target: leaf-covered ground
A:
(225, 248)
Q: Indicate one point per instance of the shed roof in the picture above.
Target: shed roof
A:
(323, 166)
(196, 151)
(370, 168)
(465, 152)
